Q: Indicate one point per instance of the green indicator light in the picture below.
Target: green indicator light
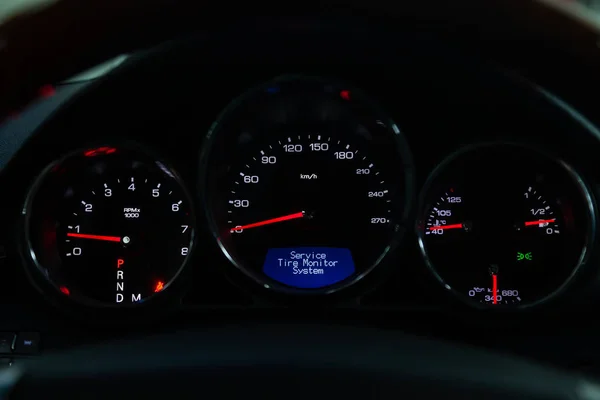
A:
(524, 256)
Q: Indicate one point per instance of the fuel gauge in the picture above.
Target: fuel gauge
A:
(504, 225)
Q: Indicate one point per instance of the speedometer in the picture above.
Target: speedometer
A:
(297, 193)
(312, 192)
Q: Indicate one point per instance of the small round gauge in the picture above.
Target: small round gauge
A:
(505, 233)
(109, 226)
(306, 184)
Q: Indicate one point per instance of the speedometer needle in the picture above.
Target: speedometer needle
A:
(94, 237)
(269, 221)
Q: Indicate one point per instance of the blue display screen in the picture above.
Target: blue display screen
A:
(308, 267)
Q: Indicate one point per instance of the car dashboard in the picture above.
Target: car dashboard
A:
(401, 183)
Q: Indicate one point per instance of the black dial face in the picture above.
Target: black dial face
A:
(505, 234)
(312, 192)
(110, 228)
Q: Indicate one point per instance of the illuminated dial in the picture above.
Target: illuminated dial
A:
(318, 196)
(496, 236)
(306, 184)
(116, 227)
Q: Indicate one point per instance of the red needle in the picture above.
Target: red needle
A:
(95, 237)
(453, 226)
(270, 221)
(539, 221)
(495, 288)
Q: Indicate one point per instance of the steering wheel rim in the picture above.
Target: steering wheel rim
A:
(32, 55)
(294, 361)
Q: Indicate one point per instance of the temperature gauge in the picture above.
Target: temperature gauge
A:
(504, 236)
(447, 215)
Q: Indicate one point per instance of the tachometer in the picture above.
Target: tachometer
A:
(109, 226)
(500, 233)
(311, 189)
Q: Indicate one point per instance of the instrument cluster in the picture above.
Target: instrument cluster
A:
(306, 192)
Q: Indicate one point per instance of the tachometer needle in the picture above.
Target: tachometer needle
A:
(453, 226)
(94, 237)
(539, 221)
(270, 221)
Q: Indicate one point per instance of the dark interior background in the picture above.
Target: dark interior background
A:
(443, 92)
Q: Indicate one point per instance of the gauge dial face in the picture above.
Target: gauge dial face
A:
(117, 230)
(504, 236)
(303, 190)
(311, 195)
